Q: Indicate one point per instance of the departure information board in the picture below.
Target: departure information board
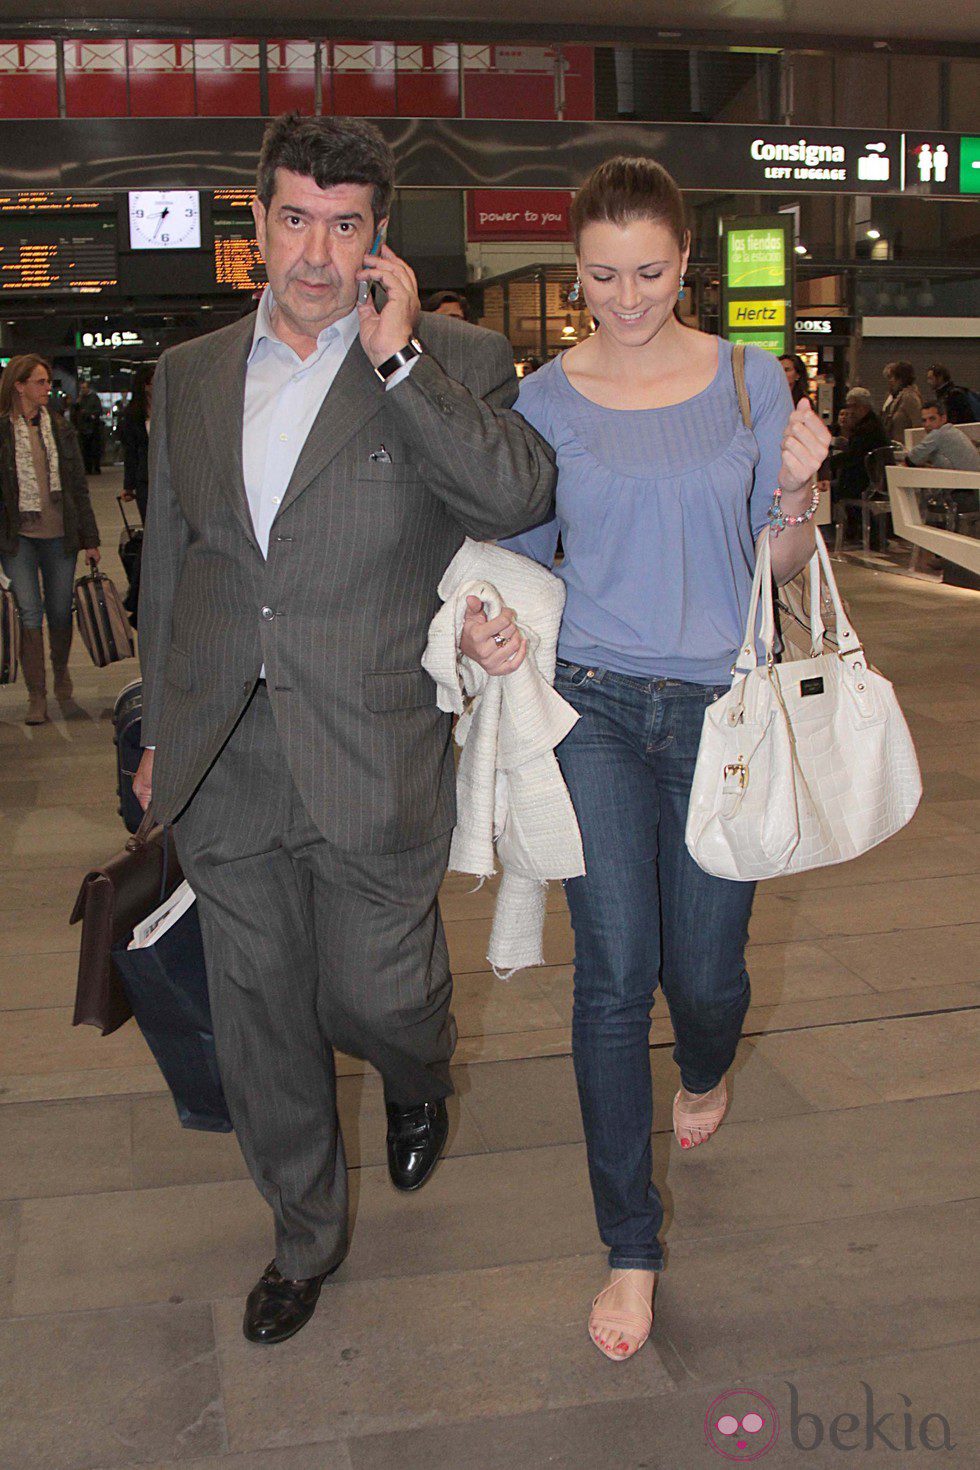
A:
(238, 266)
(50, 201)
(48, 255)
(233, 199)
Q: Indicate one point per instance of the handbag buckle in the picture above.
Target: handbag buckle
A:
(739, 771)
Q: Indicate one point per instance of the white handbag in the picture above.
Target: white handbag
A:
(800, 764)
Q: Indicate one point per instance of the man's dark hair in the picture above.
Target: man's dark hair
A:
(439, 298)
(328, 150)
(932, 403)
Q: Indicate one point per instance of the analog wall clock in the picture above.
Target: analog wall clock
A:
(165, 219)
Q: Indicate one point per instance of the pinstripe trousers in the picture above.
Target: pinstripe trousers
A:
(309, 948)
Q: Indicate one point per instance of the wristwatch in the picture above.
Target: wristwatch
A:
(397, 360)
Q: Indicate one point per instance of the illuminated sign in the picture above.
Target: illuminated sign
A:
(811, 326)
(757, 313)
(970, 165)
(103, 337)
(756, 257)
(234, 198)
(757, 282)
(41, 255)
(48, 201)
(829, 157)
(238, 263)
(768, 341)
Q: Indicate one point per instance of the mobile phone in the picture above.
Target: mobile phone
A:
(364, 287)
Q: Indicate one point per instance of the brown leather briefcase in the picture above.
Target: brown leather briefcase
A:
(112, 900)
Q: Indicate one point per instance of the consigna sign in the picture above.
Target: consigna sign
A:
(872, 162)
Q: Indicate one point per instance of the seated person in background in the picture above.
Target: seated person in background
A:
(862, 431)
(945, 447)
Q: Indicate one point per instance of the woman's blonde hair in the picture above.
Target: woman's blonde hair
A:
(18, 370)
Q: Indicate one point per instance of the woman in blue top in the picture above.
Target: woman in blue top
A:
(662, 493)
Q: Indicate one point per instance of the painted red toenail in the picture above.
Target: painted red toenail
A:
(685, 1143)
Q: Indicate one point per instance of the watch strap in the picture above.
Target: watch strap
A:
(407, 354)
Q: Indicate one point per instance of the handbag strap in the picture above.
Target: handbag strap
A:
(848, 642)
(741, 387)
(817, 626)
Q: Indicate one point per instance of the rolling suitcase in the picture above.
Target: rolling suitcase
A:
(101, 618)
(131, 556)
(127, 721)
(9, 633)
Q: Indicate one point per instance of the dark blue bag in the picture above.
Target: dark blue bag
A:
(127, 722)
(166, 985)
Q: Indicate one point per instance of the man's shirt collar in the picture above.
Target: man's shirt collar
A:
(346, 328)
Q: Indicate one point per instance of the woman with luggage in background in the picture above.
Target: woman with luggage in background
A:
(46, 518)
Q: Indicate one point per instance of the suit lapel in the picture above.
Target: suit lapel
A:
(355, 396)
(225, 415)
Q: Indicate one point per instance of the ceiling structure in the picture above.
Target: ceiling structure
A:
(829, 23)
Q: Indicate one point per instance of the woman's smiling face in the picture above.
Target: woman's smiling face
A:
(630, 276)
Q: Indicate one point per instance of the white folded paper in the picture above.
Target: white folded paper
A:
(163, 918)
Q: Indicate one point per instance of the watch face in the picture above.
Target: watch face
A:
(165, 219)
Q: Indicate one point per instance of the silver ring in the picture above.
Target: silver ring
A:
(499, 639)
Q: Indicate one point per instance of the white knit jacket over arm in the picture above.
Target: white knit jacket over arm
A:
(510, 792)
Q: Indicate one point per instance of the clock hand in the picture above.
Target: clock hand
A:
(160, 221)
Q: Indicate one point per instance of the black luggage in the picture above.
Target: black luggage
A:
(167, 987)
(131, 556)
(127, 722)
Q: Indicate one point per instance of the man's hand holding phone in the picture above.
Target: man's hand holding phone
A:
(387, 331)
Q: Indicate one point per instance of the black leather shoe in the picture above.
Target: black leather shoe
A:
(416, 1138)
(277, 1308)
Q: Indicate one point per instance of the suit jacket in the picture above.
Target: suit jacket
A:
(340, 611)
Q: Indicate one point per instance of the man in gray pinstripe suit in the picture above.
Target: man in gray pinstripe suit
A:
(314, 469)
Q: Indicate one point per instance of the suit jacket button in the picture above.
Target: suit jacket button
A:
(246, 686)
(268, 614)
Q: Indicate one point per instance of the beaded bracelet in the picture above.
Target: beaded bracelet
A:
(778, 521)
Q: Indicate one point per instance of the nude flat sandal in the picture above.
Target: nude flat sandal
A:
(636, 1324)
(707, 1122)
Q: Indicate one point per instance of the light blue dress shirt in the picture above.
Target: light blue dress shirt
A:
(283, 394)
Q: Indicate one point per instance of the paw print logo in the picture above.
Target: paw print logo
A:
(741, 1425)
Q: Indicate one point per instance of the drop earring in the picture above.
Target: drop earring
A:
(680, 289)
(575, 293)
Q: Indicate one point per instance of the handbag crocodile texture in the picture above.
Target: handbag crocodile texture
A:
(801, 764)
